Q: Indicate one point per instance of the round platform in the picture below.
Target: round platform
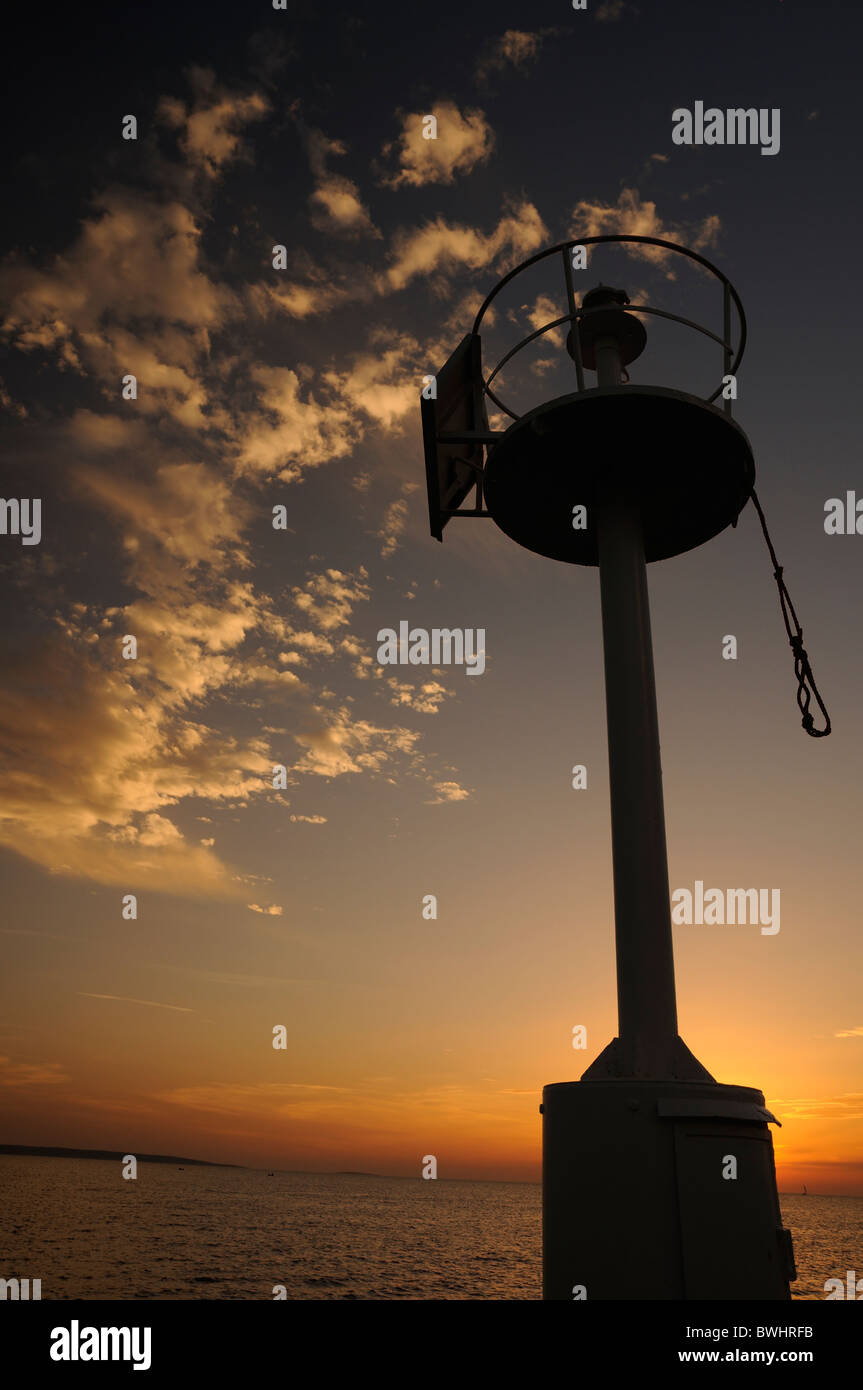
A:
(687, 465)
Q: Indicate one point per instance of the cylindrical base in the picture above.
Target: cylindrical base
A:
(660, 1190)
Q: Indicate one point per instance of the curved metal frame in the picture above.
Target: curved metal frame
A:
(731, 360)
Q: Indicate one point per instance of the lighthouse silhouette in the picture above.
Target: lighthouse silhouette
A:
(658, 1181)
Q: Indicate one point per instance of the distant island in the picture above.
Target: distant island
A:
(36, 1151)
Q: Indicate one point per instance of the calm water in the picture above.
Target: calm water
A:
(221, 1233)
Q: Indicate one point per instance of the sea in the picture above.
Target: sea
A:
(236, 1233)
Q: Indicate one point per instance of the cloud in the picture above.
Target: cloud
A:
(310, 820)
(463, 141)
(77, 296)
(288, 431)
(148, 1003)
(850, 1033)
(91, 761)
(439, 246)
(634, 217)
(12, 406)
(99, 749)
(649, 167)
(23, 1074)
(544, 310)
(209, 130)
(320, 293)
(425, 699)
(611, 10)
(273, 1098)
(272, 911)
(310, 644)
(187, 509)
(187, 645)
(104, 433)
(845, 1107)
(230, 977)
(383, 383)
(340, 1119)
(154, 830)
(436, 247)
(447, 791)
(129, 297)
(515, 48)
(327, 599)
(336, 744)
(336, 203)
(395, 520)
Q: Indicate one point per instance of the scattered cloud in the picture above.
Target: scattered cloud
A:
(69, 307)
(267, 1098)
(384, 382)
(24, 1074)
(633, 217)
(545, 310)
(98, 748)
(611, 10)
(463, 141)
(395, 520)
(209, 129)
(289, 430)
(124, 999)
(442, 247)
(91, 761)
(335, 743)
(845, 1107)
(425, 699)
(514, 48)
(335, 203)
(447, 791)
(327, 599)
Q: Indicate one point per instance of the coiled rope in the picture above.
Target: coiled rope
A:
(806, 686)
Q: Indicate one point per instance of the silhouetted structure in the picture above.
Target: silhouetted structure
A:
(641, 1199)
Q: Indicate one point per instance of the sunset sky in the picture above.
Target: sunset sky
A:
(257, 647)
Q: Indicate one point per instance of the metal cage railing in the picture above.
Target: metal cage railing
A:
(731, 357)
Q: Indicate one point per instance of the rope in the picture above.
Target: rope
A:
(806, 686)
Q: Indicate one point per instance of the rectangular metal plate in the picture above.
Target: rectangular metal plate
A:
(457, 408)
(730, 1230)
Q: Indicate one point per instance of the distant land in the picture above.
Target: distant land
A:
(35, 1151)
